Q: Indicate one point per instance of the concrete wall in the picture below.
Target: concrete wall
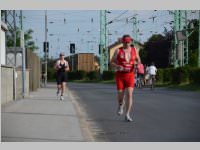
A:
(7, 84)
(3, 45)
(34, 67)
(7, 87)
(19, 84)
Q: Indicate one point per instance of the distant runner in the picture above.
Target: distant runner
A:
(61, 67)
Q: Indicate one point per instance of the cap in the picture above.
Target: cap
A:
(126, 39)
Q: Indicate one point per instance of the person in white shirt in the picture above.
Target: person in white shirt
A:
(152, 69)
(152, 72)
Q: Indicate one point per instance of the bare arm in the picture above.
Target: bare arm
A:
(55, 66)
(114, 61)
(67, 66)
(138, 57)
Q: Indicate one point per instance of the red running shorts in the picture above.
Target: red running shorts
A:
(124, 80)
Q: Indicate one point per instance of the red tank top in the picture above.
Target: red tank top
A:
(121, 60)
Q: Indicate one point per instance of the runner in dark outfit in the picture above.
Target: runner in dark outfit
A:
(61, 67)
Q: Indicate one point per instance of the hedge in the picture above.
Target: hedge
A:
(179, 75)
(108, 75)
(159, 76)
(93, 75)
(194, 76)
(167, 75)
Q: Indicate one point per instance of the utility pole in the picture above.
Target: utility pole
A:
(106, 42)
(135, 29)
(199, 43)
(45, 53)
(102, 40)
(181, 42)
(10, 20)
(186, 42)
(178, 45)
(181, 28)
(175, 39)
(22, 45)
(15, 37)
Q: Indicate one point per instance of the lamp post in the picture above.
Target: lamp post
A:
(45, 52)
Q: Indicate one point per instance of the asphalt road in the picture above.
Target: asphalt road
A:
(161, 115)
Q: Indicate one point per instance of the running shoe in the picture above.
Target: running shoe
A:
(61, 98)
(57, 92)
(128, 118)
(120, 110)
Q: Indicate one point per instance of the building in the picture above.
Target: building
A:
(118, 44)
(3, 43)
(83, 61)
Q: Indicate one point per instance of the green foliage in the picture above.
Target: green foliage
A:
(159, 76)
(156, 49)
(72, 75)
(108, 75)
(29, 43)
(51, 74)
(180, 75)
(80, 75)
(194, 75)
(193, 58)
(193, 44)
(93, 75)
(167, 75)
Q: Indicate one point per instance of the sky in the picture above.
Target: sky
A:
(82, 27)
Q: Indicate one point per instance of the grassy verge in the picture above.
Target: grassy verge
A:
(183, 86)
(186, 87)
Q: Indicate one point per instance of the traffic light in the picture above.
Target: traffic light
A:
(46, 47)
(72, 48)
(99, 49)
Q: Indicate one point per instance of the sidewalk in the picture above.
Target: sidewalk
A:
(42, 117)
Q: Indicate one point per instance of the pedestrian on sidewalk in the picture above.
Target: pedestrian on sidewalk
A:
(61, 67)
(123, 60)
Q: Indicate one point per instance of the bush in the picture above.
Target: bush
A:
(180, 75)
(80, 75)
(71, 75)
(51, 74)
(93, 75)
(159, 76)
(108, 75)
(194, 75)
(167, 75)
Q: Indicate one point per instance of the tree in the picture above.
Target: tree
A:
(156, 50)
(193, 44)
(29, 43)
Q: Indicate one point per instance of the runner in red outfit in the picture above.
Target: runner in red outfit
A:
(123, 60)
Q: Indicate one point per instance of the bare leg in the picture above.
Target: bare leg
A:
(120, 96)
(129, 99)
(63, 88)
(59, 87)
